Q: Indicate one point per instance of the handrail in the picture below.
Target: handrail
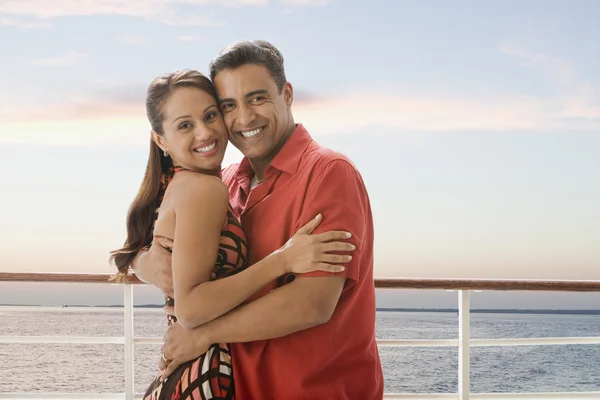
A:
(382, 283)
(463, 343)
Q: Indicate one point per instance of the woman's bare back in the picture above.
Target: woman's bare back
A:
(231, 258)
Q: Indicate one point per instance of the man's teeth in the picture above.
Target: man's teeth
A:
(206, 148)
(251, 133)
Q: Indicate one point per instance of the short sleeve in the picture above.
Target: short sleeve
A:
(338, 193)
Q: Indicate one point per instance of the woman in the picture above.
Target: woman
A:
(209, 247)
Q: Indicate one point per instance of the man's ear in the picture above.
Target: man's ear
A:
(288, 94)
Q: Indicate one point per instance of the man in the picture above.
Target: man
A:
(302, 337)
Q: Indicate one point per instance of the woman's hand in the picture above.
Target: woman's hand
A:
(305, 252)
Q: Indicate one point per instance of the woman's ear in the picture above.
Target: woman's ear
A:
(159, 140)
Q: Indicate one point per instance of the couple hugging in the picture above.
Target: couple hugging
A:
(266, 265)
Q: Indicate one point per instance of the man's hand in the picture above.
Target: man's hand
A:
(154, 265)
(181, 345)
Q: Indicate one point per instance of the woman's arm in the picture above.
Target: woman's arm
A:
(200, 206)
(199, 215)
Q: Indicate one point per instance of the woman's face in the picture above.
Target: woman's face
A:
(194, 132)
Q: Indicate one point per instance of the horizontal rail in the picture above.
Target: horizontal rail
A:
(489, 284)
(67, 309)
(549, 341)
(63, 396)
(148, 340)
(537, 396)
(406, 283)
(546, 341)
(403, 396)
(421, 396)
(413, 342)
(62, 339)
(63, 277)
(382, 283)
(497, 396)
(121, 396)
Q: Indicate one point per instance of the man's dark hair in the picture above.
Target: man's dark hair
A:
(258, 52)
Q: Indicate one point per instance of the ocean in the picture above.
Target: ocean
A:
(99, 368)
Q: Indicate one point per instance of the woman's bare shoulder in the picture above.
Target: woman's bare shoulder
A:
(190, 186)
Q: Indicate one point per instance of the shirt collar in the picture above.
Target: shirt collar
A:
(289, 156)
(244, 169)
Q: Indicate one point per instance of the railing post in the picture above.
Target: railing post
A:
(128, 311)
(464, 344)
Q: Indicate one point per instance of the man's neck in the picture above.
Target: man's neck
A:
(260, 166)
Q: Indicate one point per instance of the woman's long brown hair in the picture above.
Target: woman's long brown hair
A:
(141, 215)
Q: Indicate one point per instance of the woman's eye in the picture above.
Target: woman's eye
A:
(185, 125)
(211, 117)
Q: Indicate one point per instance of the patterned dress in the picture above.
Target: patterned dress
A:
(209, 377)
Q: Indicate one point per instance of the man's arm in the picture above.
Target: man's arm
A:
(153, 266)
(310, 299)
(199, 213)
(302, 304)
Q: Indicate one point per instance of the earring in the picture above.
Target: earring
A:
(165, 153)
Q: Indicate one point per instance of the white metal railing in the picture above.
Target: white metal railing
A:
(464, 344)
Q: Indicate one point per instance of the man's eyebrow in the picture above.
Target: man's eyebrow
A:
(221, 101)
(250, 94)
(255, 92)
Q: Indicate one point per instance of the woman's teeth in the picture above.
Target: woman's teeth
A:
(206, 148)
(251, 133)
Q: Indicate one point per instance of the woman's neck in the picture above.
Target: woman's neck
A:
(214, 172)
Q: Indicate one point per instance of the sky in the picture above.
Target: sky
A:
(475, 125)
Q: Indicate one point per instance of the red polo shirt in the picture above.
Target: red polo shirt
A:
(336, 360)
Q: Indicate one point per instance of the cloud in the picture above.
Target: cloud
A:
(189, 38)
(303, 97)
(357, 111)
(116, 118)
(112, 103)
(305, 2)
(574, 107)
(69, 58)
(112, 132)
(165, 11)
(133, 40)
(23, 24)
(67, 8)
(255, 3)
(575, 97)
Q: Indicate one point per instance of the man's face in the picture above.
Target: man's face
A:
(256, 115)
